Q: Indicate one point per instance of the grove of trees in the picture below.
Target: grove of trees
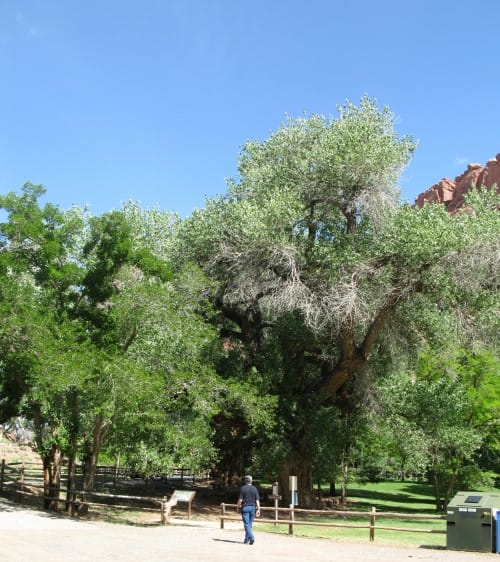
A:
(306, 322)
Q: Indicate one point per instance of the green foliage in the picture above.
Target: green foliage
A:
(313, 261)
(253, 332)
(447, 414)
(329, 164)
(82, 323)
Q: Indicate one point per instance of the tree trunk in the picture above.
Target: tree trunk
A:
(70, 485)
(451, 487)
(437, 490)
(73, 429)
(100, 430)
(345, 479)
(298, 463)
(52, 478)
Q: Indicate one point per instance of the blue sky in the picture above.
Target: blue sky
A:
(102, 101)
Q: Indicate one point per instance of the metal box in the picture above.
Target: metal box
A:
(469, 521)
(496, 530)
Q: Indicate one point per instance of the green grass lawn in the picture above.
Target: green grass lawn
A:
(404, 497)
(391, 496)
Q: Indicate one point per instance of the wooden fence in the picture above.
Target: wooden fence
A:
(372, 517)
(32, 472)
(20, 477)
(25, 480)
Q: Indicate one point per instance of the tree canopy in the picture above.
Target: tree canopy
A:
(314, 256)
(258, 331)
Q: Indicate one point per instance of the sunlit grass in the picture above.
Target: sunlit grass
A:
(392, 496)
(357, 535)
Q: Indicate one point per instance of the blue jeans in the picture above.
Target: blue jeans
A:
(248, 515)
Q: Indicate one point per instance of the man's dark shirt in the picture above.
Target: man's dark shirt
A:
(249, 495)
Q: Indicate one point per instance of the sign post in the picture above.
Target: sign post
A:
(292, 481)
(294, 494)
(185, 496)
(276, 497)
(179, 496)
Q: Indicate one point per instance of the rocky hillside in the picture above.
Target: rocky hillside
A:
(451, 192)
(12, 451)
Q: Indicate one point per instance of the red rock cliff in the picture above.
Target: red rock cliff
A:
(451, 192)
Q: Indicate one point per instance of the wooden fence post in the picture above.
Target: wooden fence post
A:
(223, 514)
(276, 510)
(115, 471)
(372, 524)
(292, 518)
(2, 475)
(21, 484)
(165, 511)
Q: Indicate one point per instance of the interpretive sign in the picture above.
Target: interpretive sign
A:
(185, 496)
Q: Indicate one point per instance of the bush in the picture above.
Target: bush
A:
(472, 477)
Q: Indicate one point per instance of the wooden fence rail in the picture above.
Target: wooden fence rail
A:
(81, 498)
(34, 472)
(26, 480)
(372, 515)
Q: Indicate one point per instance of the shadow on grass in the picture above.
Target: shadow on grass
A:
(416, 489)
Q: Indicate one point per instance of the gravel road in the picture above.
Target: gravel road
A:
(29, 535)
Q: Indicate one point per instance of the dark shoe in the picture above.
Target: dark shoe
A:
(252, 541)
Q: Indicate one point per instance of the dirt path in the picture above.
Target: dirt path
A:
(27, 535)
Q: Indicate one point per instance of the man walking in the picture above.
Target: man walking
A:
(249, 504)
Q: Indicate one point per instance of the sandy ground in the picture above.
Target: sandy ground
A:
(29, 535)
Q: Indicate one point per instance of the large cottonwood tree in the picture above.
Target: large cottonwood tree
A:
(314, 253)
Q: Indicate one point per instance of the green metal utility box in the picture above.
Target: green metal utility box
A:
(469, 521)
